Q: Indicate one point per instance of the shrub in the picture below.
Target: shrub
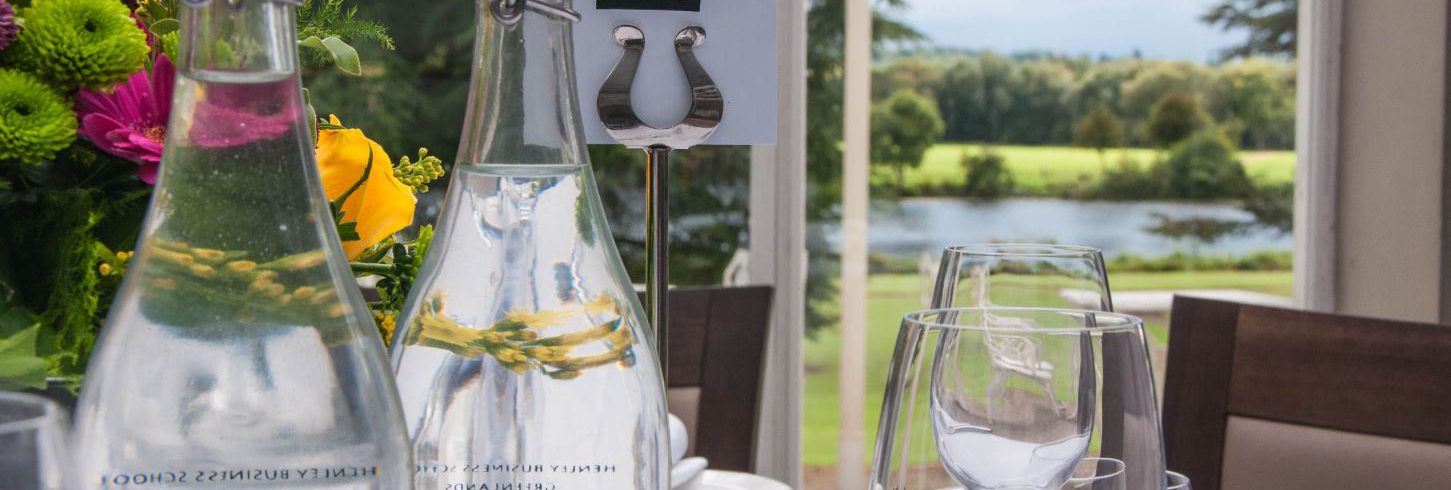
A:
(1203, 166)
(1128, 180)
(987, 175)
(1259, 261)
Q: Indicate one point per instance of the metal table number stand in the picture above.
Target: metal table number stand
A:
(617, 112)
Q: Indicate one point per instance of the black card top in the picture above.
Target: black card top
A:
(682, 5)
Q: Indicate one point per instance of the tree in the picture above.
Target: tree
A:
(1099, 130)
(1271, 25)
(1036, 113)
(904, 127)
(1156, 80)
(975, 97)
(1254, 100)
(826, 21)
(1173, 119)
(910, 73)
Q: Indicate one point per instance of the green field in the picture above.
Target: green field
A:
(893, 295)
(1038, 169)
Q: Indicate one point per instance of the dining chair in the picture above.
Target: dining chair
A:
(1258, 397)
(717, 353)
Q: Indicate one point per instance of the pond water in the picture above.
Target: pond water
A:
(909, 227)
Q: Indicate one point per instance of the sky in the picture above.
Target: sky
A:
(1157, 28)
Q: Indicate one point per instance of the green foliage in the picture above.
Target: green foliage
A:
(35, 122)
(50, 245)
(20, 367)
(1174, 118)
(1203, 166)
(903, 127)
(1128, 180)
(1155, 81)
(987, 175)
(79, 43)
(1099, 130)
(1271, 25)
(1178, 261)
(1254, 100)
(327, 27)
(1034, 99)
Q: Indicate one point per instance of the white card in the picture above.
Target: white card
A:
(739, 54)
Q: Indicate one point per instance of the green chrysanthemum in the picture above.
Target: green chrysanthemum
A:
(35, 122)
(79, 43)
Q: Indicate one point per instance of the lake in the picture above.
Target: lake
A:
(909, 227)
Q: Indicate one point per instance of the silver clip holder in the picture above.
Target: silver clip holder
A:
(617, 112)
(510, 12)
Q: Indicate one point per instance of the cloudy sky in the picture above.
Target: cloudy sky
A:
(1157, 28)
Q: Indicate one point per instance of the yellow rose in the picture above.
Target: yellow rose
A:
(382, 205)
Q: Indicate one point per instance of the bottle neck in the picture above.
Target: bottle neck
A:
(238, 171)
(522, 107)
(238, 39)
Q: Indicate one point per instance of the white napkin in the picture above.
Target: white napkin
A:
(683, 468)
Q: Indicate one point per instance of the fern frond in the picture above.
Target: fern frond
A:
(332, 18)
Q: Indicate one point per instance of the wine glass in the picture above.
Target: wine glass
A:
(997, 397)
(1098, 474)
(31, 442)
(1022, 275)
(1177, 481)
(1066, 276)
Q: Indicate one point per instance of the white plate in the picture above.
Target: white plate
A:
(730, 480)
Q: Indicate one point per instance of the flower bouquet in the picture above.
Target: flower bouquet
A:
(85, 95)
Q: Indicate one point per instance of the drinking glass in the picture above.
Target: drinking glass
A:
(1022, 275)
(1065, 276)
(31, 443)
(1098, 474)
(1177, 481)
(1000, 397)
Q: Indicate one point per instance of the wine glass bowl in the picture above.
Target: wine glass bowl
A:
(1022, 275)
(1014, 393)
(32, 443)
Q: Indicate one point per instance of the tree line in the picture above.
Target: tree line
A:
(1038, 99)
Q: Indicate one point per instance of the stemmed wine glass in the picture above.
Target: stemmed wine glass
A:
(32, 443)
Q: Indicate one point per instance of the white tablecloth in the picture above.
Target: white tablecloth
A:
(730, 480)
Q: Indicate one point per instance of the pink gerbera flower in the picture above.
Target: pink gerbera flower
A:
(130, 122)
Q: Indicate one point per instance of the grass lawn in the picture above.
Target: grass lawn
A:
(893, 295)
(1037, 168)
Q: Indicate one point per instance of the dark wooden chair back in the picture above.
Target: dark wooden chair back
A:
(1260, 397)
(717, 355)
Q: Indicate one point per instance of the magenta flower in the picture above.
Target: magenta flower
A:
(130, 122)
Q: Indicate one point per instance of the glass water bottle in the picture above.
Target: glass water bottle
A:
(523, 357)
(239, 352)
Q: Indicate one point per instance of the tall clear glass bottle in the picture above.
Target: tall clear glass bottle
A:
(522, 355)
(239, 352)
